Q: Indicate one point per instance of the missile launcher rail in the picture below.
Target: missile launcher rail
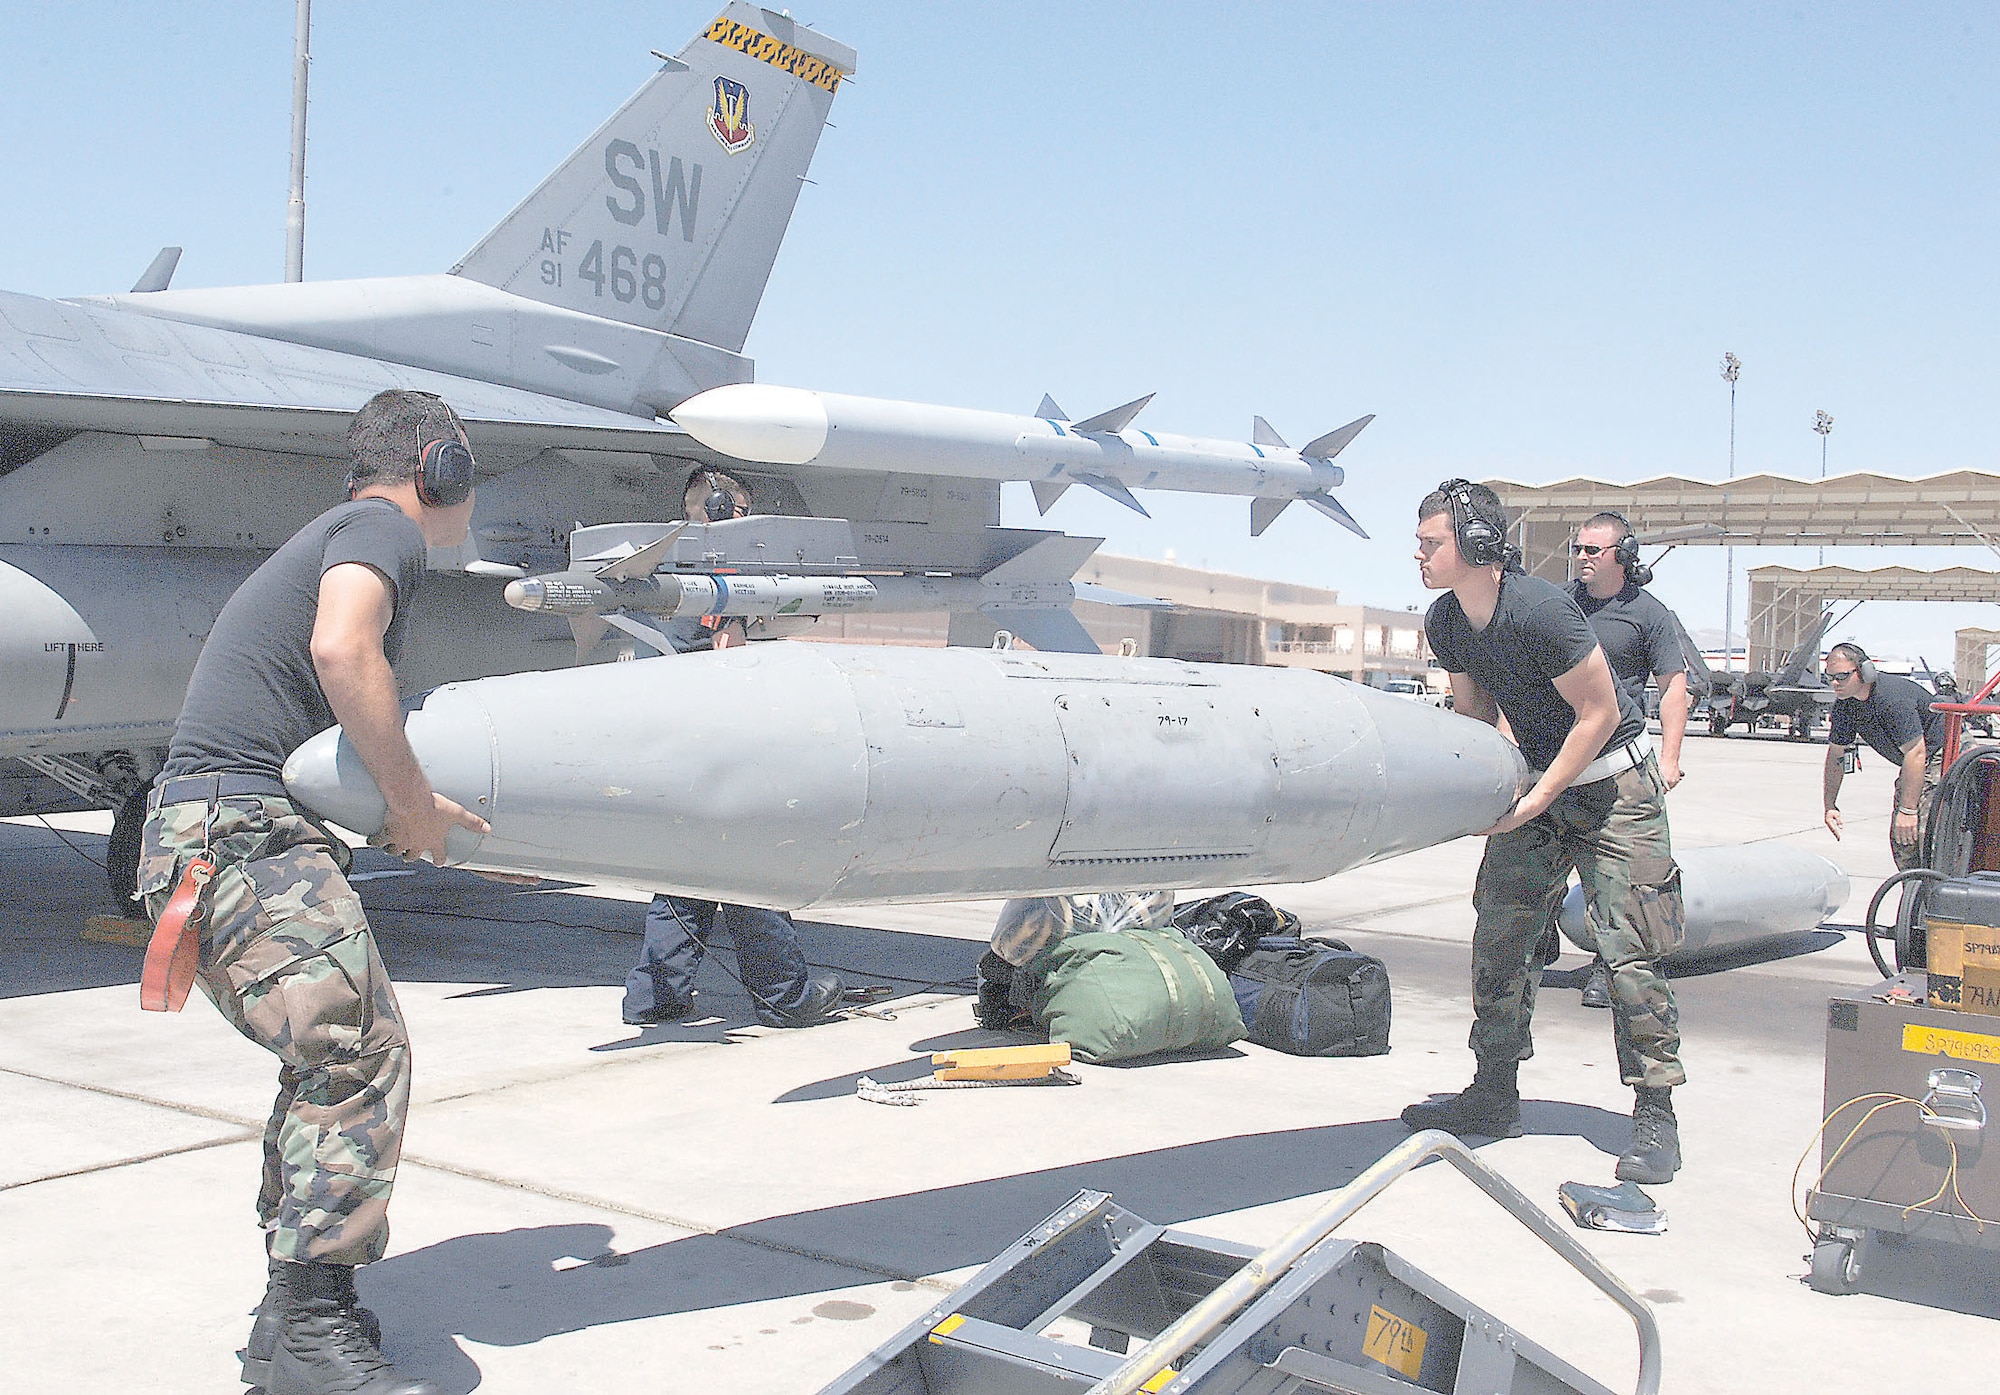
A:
(1061, 1308)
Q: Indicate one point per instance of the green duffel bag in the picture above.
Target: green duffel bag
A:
(1116, 995)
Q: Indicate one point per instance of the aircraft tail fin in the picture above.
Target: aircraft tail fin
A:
(1691, 656)
(671, 215)
(1807, 654)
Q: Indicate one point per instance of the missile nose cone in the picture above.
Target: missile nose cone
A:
(449, 735)
(528, 593)
(756, 422)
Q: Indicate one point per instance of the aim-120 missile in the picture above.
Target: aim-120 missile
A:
(687, 595)
(1027, 593)
(1735, 896)
(791, 775)
(770, 425)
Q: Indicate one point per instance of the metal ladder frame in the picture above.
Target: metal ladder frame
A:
(1212, 1313)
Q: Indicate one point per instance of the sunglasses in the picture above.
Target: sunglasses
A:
(1588, 550)
(1840, 675)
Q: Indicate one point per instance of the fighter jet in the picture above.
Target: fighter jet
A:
(1795, 693)
(156, 445)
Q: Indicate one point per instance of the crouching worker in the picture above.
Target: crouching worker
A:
(784, 992)
(1515, 645)
(286, 954)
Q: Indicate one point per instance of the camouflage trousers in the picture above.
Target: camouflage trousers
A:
(288, 959)
(1908, 855)
(1614, 833)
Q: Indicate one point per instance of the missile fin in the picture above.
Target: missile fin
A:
(1047, 492)
(1054, 558)
(637, 566)
(1263, 435)
(1049, 411)
(1112, 489)
(588, 629)
(1263, 512)
(1051, 631)
(1334, 442)
(644, 633)
(1104, 595)
(1115, 420)
(1333, 509)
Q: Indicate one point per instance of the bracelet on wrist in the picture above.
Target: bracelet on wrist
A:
(1901, 810)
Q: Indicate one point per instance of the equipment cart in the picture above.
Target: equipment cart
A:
(1906, 1156)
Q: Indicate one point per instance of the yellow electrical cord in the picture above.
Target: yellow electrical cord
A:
(1887, 1099)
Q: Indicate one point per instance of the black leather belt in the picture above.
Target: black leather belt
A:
(206, 789)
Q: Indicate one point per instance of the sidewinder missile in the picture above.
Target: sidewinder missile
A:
(770, 425)
(1736, 896)
(796, 775)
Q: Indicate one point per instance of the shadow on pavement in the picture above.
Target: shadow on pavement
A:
(433, 926)
(518, 1287)
(1952, 1277)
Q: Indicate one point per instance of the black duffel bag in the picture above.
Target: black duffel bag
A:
(1313, 997)
(1229, 926)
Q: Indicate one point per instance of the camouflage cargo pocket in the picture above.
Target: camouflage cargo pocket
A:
(156, 860)
(173, 832)
(306, 985)
(1662, 915)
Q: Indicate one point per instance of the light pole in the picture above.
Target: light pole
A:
(1823, 424)
(295, 208)
(1732, 368)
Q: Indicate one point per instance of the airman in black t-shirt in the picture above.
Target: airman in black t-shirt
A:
(1516, 645)
(286, 955)
(1641, 641)
(1893, 715)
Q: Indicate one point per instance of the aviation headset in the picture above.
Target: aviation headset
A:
(1481, 542)
(1626, 552)
(720, 505)
(444, 475)
(1863, 665)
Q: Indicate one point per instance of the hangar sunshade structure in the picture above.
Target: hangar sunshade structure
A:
(1860, 509)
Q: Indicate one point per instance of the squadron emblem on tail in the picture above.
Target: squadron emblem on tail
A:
(729, 118)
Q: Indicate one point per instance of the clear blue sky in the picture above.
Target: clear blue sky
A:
(1523, 235)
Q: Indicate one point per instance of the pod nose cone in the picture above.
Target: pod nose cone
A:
(327, 776)
(1445, 776)
(526, 593)
(449, 735)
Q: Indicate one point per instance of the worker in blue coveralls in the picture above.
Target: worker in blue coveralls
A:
(783, 989)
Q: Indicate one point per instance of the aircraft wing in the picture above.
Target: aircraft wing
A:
(68, 368)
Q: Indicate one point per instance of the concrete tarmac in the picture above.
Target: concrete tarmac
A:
(707, 1207)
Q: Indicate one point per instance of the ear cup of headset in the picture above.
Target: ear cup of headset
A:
(1480, 544)
(444, 473)
(1864, 667)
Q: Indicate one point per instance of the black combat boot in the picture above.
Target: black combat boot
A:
(323, 1349)
(1655, 1154)
(1490, 1106)
(263, 1344)
(1597, 987)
